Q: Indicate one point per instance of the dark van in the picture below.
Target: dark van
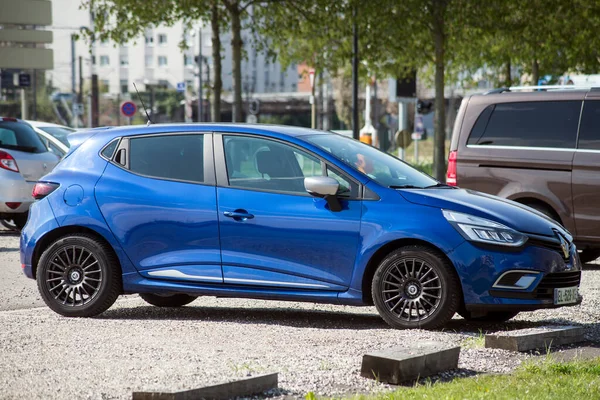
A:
(539, 146)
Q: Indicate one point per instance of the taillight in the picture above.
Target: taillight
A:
(43, 189)
(12, 205)
(8, 162)
(451, 175)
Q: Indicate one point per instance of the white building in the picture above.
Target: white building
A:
(155, 58)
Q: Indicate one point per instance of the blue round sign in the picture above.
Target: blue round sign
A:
(128, 108)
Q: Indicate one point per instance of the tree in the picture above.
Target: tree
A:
(125, 20)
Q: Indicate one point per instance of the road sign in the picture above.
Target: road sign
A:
(253, 106)
(24, 80)
(416, 136)
(128, 109)
(181, 86)
(311, 76)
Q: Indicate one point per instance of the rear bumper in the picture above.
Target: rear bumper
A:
(14, 189)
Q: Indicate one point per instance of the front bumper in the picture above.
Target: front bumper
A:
(479, 269)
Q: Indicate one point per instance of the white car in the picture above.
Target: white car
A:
(54, 136)
(24, 159)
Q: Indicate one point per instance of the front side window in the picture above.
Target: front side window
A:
(589, 129)
(173, 157)
(262, 164)
(59, 132)
(550, 124)
(377, 165)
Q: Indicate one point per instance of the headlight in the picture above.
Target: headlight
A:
(483, 230)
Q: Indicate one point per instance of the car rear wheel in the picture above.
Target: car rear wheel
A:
(175, 300)
(589, 255)
(493, 316)
(79, 276)
(415, 287)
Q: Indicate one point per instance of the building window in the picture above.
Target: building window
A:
(104, 61)
(124, 86)
(149, 39)
(162, 39)
(162, 61)
(124, 60)
(148, 61)
(93, 60)
(188, 60)
(104, 86)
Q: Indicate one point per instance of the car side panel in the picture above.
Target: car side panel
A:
(393, 218)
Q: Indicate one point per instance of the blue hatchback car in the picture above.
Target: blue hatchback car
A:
(174, 212)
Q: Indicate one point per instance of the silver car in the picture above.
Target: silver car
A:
(23, 160)
(53, 136)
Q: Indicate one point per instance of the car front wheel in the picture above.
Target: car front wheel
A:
(175, 300)
(415, 287)
(79, 276)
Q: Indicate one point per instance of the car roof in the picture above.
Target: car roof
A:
(258, 129)
(38, 124)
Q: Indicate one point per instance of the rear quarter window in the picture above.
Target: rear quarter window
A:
(551, 124)
(20, 136)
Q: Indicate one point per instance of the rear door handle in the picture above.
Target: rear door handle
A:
(238, 215)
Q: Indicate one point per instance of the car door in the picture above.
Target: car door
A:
(273, 233)
(586, 173)
(158, 197)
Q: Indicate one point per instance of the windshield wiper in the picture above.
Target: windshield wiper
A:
(405, 187)
(440, 185)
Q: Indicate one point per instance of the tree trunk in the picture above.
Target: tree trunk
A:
(508, 74)
(535, 73)
(217, 67)
(236, 49)
(439, 149)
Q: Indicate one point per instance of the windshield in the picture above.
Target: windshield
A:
(19, 136)
(58, 132)
(377, 165)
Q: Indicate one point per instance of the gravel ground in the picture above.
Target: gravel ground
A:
(137, 347)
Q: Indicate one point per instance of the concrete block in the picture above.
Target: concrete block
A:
(239, 388)
(535, 338)
(401, 364)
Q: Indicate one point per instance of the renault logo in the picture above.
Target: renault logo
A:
(564, 245)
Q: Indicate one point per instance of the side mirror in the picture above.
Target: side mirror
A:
(325, 187)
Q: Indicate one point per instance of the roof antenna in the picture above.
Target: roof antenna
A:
(143, 105)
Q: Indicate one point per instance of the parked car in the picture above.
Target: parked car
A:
(23, 160)
(54, 136)
(174, 212)
(539, 148)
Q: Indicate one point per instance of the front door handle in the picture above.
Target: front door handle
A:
(238, 215)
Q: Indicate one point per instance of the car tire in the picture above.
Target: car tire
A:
(421, 283)
(492, 316)
(589, 255)
(79, 264)
(19, 220)
(175, 300)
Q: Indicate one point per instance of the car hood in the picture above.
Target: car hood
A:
(512, 214)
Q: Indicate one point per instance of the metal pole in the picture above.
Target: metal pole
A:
(200, 74)
(23, 104)
(34, 96)
(73, 87)
(355, 132)
(375, 116)
(313, 106)
(416, 141)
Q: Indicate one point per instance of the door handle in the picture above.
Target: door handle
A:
(238, 215)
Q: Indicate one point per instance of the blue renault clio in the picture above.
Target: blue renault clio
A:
(174, 212)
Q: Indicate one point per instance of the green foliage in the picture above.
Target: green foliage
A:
(542, 381)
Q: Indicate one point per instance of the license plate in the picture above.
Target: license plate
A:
(566, 295)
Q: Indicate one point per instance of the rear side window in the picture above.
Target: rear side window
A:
(58, 132)
(529, 124)
(20, 136)
(589, 130)
(175, 157)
